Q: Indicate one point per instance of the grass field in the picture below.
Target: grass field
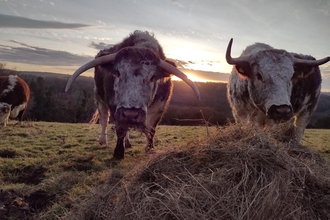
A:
(59, 163)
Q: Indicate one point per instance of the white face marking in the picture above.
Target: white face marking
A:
(134, 87)
(11, 84)
(14, 112)
(271, 83)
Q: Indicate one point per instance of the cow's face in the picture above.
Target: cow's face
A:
(5, 108)
(136, 74)
(4, 112)
(269, 76)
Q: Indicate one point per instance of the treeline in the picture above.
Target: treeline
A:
(321, 117)
(50, 103)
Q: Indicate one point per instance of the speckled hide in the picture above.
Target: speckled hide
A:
(133, 87)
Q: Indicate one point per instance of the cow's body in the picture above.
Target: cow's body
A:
(14, 94)
(134, 87)
(268, 86)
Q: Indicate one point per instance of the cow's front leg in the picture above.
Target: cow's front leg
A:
(301, 122)
(120, 147)
(150, 140)
(127, 141)
(104, 119)
(5, 122)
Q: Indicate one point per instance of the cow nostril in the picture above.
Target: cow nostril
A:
(280, 112)
(130, 113)
(283, 110)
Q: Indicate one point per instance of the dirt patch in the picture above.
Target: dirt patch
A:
(8, 153)
(14, 205)
(28, 175)
(79, 163)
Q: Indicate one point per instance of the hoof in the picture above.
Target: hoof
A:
(119, 154)
(127, 143)
(18, 123)
(150, 151)
(102, 143)
(103, 140)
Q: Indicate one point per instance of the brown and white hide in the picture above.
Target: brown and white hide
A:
(14, 97)
(269, 86)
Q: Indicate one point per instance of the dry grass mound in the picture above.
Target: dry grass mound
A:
(240, 173)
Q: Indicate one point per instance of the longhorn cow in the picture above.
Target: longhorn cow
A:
(268, 86)
(14, 97)
(133, 84)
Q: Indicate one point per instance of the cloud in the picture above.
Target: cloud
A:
(28, 54)
(9, 21)
(177, 3)
(181, 63)
(99, 46)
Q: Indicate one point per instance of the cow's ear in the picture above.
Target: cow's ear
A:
(243, 70)
(302, 71)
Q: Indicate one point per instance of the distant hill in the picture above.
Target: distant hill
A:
(50, 103)
(216, 76)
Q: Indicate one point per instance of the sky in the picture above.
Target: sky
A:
(61, 35)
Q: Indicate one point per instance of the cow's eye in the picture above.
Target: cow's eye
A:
(146, 62)
(259, 76)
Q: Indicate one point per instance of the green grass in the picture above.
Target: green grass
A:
(65, 160)
(318, 140)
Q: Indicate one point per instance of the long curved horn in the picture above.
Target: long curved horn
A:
(173, 70)
(234, 61)
(311, 62)
(96, 62)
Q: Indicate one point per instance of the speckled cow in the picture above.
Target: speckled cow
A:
(268, 86)
(133, 84)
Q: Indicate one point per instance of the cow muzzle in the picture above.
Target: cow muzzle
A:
(280, 112)
(5, 109)
(130, 115)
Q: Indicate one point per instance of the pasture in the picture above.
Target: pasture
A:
(48, 168)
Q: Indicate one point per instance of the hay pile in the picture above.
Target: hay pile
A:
(241, 173)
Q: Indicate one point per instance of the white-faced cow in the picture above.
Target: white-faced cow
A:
(132, 81)
(268, 86)
(4, 113)
(14, 97)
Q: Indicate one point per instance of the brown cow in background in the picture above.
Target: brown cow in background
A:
(14, 97)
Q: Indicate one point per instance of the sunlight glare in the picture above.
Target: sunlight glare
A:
(193, 77)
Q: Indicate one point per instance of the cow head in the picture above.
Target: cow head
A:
(270, 76)
(135, 72)
(5, 108)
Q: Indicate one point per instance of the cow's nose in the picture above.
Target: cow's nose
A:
(130, 115)
(280, 112)
(5, 110)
